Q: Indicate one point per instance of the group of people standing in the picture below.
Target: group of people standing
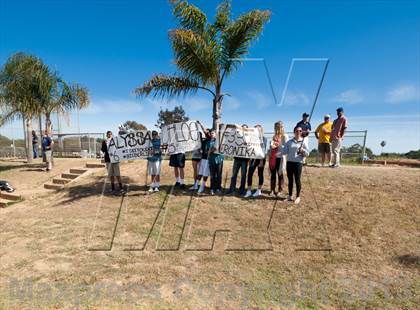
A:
(285, 156)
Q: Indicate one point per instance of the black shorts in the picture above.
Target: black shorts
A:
(324, 148)
(177, 160)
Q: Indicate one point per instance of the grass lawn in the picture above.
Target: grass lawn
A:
(353, 243)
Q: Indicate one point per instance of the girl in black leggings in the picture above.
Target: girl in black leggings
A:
(296, 151)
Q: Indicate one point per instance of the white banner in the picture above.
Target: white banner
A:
(129, 146)
(236, 141)
(181, 137)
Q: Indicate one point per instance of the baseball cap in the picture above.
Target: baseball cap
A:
(340, 110)
(305, 114)
(327, 116)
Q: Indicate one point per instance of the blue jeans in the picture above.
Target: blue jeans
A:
(242, 164)
(35, 149)
(216, 175)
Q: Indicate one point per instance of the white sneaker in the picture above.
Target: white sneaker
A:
(248, 194)
(212, 192)
(156, 189)
(150, 189)
(289, 198)
(201, 189)
(297, 200)
(257, 193)
(193, 188)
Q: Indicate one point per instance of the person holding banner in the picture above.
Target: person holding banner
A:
(154, 162)
(277, 161)
(255, 164)
(112, 168)
(195, 160)
(177, 161)
(295, 150)
(215, 166)
(239, 163)
(204, 169)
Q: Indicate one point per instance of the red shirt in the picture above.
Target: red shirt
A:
(338, 127)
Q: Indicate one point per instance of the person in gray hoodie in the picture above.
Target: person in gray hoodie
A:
(295, 151)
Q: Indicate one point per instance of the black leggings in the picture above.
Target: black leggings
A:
(277, 172)
(294, 170)
(255, 163)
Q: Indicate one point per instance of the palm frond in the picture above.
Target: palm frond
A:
(164, 86)
(223, 14)
(189, 16)
(238, 36)
(194, 56)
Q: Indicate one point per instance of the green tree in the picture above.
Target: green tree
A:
(205, 53)
(166, 117)
(133, 125)
(22, 85)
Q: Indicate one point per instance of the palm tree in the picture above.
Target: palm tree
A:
(22, 83)
(62, 97)
(205, 53)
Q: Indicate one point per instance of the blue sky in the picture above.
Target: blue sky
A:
(112, 47)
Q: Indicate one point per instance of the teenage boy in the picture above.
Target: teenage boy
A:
(112, 168)
(154, 162)
(35, 144)
(177, 161)
(47, 144)
(306, 128)
(215, 165)
(239, 163)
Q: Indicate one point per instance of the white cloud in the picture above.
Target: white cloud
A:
(402, 93)
(350, 96)
(296, 98)
(231, 103)
(259, 99)
(113, 106)
(198, 104)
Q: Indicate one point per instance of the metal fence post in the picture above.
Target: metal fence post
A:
(89, 144)
(364, 148)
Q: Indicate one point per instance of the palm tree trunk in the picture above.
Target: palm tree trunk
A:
(48, 124)
(217, 108)
(28, 138)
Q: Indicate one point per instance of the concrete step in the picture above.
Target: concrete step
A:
(53, 186)
(4, 203)
(77, 171)
(69, 175)
(60, 181)
(10, 196)
(91, 165)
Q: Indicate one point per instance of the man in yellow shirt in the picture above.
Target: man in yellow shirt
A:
(323, 134)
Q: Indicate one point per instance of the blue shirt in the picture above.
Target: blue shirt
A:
(214, 158)
(46, 143)
(305, 127)
(157, 153)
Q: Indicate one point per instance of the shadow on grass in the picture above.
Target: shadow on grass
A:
(409, 260)
(29, 167)
(133, 189)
